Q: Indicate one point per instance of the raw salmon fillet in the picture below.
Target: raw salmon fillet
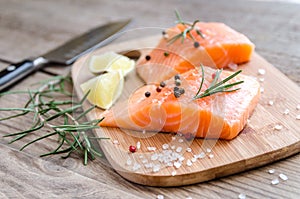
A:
(221, 47)
(222, 115)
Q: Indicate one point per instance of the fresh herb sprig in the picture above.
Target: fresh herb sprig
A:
(217, 87)
(187, 30)
(72, 134)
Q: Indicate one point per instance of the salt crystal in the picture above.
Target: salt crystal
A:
(242, 196)
(177, 164)
(188, 149)
(180, 140)
(286, 111)
(148, 165)
(156, 168)
(283, 177)
(154, 157)
(151, 148)
(144, 161)
(173, 147)
(208, 150)
(261, 71)
(165, 146)
(169, 164)
(141, 156)
(173, 173)
(261, 79)
(200, 155)
(129, 161)
(189, 162)
(193, 159)
(173, 138)
(138, 145)
(262, 89)
(136, 166)
(278, 127)
(179, 149)
(298, 107)
(275, 181)
(144, 131)
(160, 197)
(211, 156)
(271, 171)
(181, 158)
(271, 103)
(298, 117)
(116, 142)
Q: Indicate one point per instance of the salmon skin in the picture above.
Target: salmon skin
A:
(220, 47)
(170, 107)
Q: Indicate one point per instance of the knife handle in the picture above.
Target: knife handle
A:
(15, 72)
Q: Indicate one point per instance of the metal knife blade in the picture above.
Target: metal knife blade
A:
(65, 54)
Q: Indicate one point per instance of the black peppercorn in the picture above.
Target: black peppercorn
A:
(147, 94)
(147, 57)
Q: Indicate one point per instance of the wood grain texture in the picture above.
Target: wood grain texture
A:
(30, 28)
(258, 144)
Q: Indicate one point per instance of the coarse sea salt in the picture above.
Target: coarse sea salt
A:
(136, 166)
(200, 155)
(173, 147)
(283, 177)
(298, 117)
(129, 161)
(154, 157)
(242, 196)
(271, 102)
(286, 111)
(278, 127)
(271, 171)
(275, 181)
(261, 79)
(165, 146)
(261, 71)
(262, 89)
(177, 164)
(211, 156)
(298, 107)
(116, 142)
(138, 145)
(156, 168)
(173, 173)
(151, 148)
(180, 140)
(194, 159)
(160, 197)
(179, 149)
(208, 150)
(188, 150)
(189, 162)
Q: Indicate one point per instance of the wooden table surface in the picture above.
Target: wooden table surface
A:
(30, 28)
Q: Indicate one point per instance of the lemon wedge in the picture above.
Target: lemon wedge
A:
(104, 89)
(111, 61)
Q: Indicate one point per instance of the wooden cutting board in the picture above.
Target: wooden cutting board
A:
(261, 142)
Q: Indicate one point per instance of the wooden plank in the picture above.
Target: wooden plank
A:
(26, 176)
(257, 145)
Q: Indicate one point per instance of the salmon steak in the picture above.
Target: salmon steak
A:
(173, 106)
(182, 48)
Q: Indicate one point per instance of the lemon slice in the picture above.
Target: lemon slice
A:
(111, 61)
(104, 89)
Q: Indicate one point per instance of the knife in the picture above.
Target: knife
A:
(65, 54)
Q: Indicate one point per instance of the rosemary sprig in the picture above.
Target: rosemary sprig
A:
(217, 87)
(186, 31)
(45, 107)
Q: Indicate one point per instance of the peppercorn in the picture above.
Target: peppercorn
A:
(147, 94)
(162, 84)
(147, 57)
(196, 44)
(158, 89)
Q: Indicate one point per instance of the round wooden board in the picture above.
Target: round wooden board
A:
(258, 144)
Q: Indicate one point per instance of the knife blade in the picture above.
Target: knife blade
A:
(65, 54)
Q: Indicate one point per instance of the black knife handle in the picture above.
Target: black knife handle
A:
(15, 72)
